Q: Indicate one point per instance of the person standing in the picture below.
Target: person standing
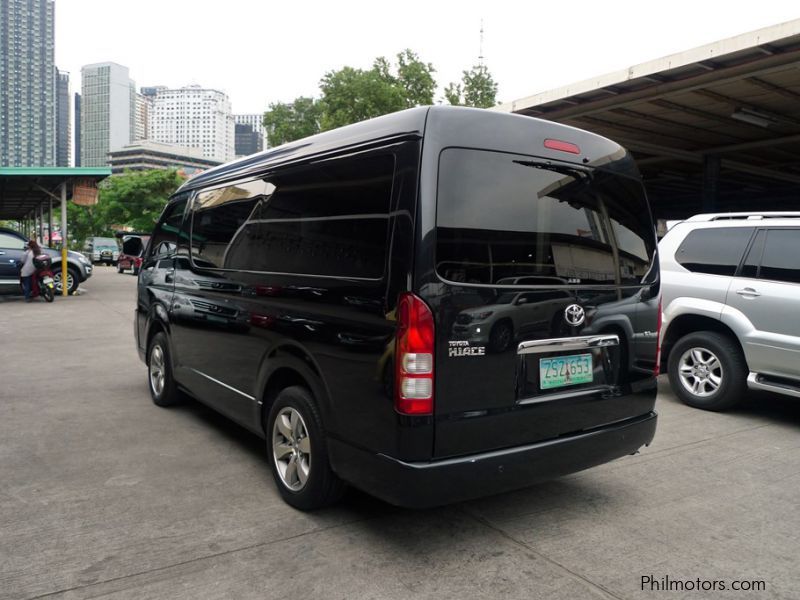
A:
(28, 269)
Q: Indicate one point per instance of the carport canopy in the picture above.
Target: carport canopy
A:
(715, 128)
(26, 190)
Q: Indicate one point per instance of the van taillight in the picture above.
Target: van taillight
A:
(657, 370)
(562, 146)
(413, 372)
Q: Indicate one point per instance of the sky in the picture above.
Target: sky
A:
(261, 51)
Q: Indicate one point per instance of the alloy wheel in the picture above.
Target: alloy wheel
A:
(291, 449)
(157, 371)
(700, 372)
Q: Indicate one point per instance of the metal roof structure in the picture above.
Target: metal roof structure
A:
(23, 190)
(713, 127)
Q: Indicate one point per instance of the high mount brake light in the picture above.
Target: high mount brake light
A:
(562, 146)
(415, 338)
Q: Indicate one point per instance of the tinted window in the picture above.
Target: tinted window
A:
(330, 219)
(781, 258)
(11, 241)
(507, 218)
(714, 251)
(165, 236)
(217, 217)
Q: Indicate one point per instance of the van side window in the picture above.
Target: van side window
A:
(165, 235)
(328, 219)
(218, 216)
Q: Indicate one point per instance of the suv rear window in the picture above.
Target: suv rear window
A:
(508, 219)
(714, 251)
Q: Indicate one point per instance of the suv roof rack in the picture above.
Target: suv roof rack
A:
(755, 216)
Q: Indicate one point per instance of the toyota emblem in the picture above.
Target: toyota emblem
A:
(574, 314)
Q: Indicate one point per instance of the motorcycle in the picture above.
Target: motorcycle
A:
(42, 283)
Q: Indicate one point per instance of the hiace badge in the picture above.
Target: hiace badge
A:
(462, 348)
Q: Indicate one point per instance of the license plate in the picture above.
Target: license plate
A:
(561, 371)
(47, 280)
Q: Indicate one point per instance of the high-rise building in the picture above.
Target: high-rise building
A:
(27, 83)
(63, 125)
(77, 129)
(247, 140)
(108, 111)
(194, 117)
(256, 123)
(141, 126)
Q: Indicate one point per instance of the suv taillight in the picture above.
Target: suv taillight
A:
(413, 371)
(657, 370)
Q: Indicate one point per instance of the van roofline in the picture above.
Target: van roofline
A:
(395, 127)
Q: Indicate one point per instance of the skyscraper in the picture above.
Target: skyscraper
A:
(77, 129)
(194, 117)
(63, 126)
(108, 111)
(256, 123)
(27, 83)
(247, 141)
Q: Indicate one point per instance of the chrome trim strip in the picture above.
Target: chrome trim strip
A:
(225, 385)
(562, 395)
(570, 343)
(754, 384)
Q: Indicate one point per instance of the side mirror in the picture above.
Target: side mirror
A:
(520, 300)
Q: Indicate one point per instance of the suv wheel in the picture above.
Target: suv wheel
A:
(707, 370)
(72, 279)
(298, 452)
(500, 336)
(163, 389)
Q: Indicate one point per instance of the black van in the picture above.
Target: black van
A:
(434, 305)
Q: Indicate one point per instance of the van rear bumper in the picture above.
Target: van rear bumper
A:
(427, 484)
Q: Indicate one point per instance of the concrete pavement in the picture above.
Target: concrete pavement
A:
(103, 494)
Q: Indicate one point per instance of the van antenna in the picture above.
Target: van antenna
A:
(480, 50)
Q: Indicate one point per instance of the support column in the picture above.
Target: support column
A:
(711, 169)
(64, 291)
(50, 223)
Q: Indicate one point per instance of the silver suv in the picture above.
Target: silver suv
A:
(731, 297)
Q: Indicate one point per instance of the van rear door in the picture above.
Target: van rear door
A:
(545, 276)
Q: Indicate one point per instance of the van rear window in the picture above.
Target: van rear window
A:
(508, 219)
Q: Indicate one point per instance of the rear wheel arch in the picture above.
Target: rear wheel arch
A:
(158, 323)
(690, 323)
(289, 367)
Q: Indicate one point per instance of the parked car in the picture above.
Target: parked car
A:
(731, 298)
(12, 250)
(133, 247)
(101, 249)
(311, 294)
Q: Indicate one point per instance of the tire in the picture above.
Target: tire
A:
(501, 336)
(47, 293)
(72, 279)
(721, 384)
(295, 426)
(163, 389)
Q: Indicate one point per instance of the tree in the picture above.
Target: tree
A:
(477, 88)
(416, 78)
(350, 95)
(286, 122)
(134, 199)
